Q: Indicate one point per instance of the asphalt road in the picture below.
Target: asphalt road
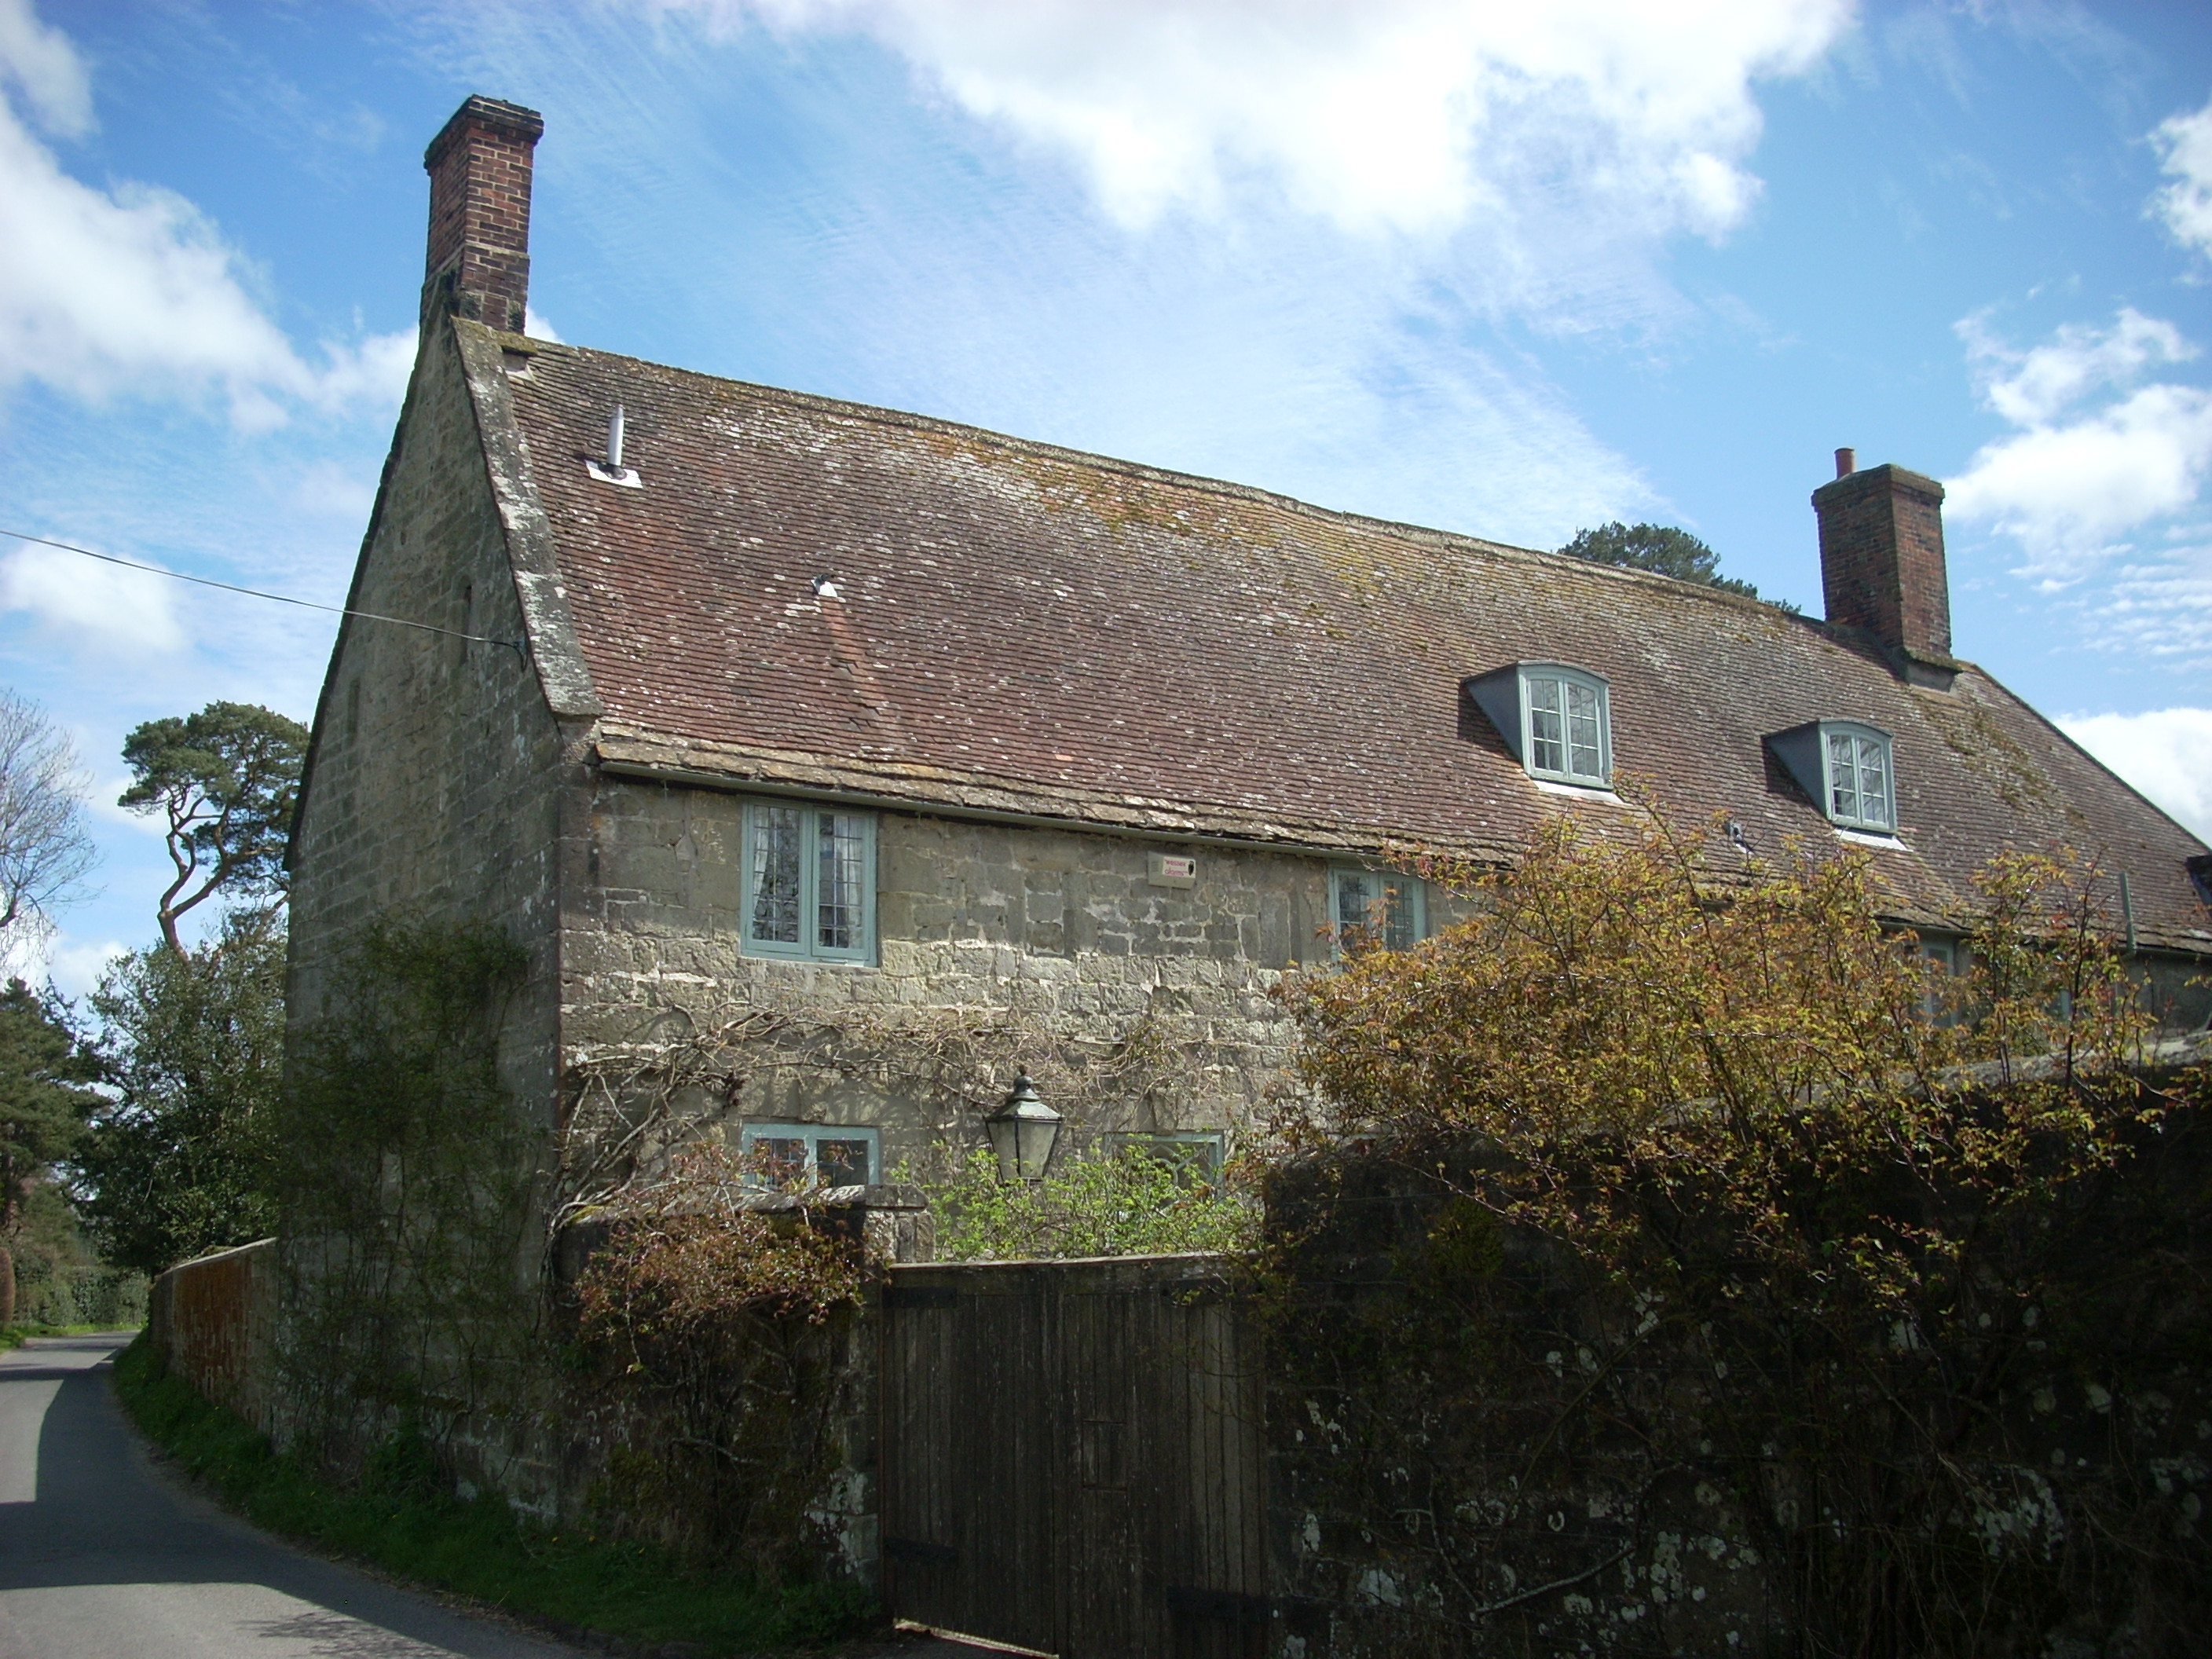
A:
(105, 1556)
(101, 1554)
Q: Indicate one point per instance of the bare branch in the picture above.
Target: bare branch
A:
(44, 851)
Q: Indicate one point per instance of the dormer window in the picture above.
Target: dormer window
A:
(1858, 780)
(1847, 769)
(1557, 720)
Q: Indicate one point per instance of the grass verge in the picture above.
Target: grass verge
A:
(14, 1336)
(402, 1521)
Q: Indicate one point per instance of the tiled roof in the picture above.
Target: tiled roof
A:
(1051, 633)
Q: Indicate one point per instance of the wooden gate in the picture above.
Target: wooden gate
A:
(1071, 1457)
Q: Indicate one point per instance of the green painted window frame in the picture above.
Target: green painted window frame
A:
(1861, 738)
(809, 945)
(811, 1136)
(1407, 896)
(1949, 953)
(1569, 680)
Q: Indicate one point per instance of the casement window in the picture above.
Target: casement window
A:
(811, 1155)
(1378, 907)
(1194, 1156)
(1567, 736)
(1859, 793)
(1847, 769)
(1943, 956)
(810, 882)
(1557, 720)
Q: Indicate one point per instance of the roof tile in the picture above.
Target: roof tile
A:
(1069, 631)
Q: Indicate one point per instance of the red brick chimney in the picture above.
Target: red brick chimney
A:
(479, 256)
(1882, 563)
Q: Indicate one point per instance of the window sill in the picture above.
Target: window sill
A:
(1881, 838)
(1599, 792)
(797, 961)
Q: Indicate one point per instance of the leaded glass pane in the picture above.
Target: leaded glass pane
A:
(1585, 750)
(1399, 921)
(1873, 783)
(1355, 901)
(1843, 776)
(842, 851)
(775, 875)
(782, 1159)
(1374, 908)
(1548, 748)
(841, 1162)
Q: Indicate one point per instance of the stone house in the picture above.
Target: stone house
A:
(838, 731)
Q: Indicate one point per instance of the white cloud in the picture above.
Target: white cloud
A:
(76, 966)
(124, 611)
(133, 288)
(2185, 145)
(2029, 387)
(2070, 489)
(104, 802)
(375, 371)
(537, 325)
(2161, 610)
(2166, 754)
(2069, 492)
(1414, 116)
(42, 65)
(329, 491)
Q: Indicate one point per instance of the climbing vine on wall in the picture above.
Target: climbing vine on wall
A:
(637, 1102)
(407, 1183)
(719, 1337)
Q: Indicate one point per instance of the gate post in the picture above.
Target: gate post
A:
(893, 1222)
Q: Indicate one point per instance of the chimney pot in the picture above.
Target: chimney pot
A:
(1847, 462)
(1881, 564)
(477, 263)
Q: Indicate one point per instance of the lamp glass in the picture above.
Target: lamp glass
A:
(1023, 1132)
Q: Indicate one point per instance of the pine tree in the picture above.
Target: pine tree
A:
(1660, 549)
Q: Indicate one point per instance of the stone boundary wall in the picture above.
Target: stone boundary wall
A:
(215, 1319)
(601, 1434)
(1478, 1447)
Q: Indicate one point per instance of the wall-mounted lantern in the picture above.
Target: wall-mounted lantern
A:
(1023, 1131)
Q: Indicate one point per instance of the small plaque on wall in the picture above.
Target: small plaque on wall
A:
(1169, 870)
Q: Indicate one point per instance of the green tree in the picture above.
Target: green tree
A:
(181, 1160)
(1660, 549)
(1621, 1022)
(44, 1103)
(226, 780)
(1127, 1203)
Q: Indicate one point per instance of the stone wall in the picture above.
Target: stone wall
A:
(433, 797)
(1060, 930)
(763, 1450)
(1477, 1445)
(433, 784)
(213, 1320)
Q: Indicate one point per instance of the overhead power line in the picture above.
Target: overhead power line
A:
(515, 646)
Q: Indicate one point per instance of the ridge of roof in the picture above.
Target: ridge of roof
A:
(1400, 528)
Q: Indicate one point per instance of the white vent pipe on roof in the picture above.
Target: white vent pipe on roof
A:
(615, 439)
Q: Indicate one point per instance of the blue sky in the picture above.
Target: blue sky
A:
(1507, 270)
